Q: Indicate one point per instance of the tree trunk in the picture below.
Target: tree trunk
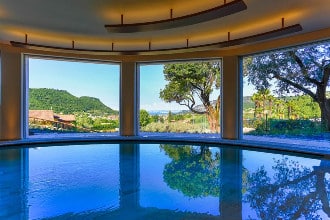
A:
(213, 122)
(322, 99)
(325, 114)
(213, 116)
(270, 108)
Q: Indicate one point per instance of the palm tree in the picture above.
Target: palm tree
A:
(256, 98)
(263, 101)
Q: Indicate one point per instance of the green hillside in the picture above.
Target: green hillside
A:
(62, 101)
(247, 102)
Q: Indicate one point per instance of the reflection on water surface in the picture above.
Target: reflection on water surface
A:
(148, 181)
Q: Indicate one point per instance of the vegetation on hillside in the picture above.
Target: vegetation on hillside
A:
(91, 115)
(282, 115)
(61, 101)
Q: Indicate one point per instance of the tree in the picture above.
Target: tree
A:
(169, 116)
(194, 170)
(261, 99)
(144, 118)
(304, 107)
(197, 171)
(279, 108)
(157, 118)
(305, 70)
(188, 82)
(290, 190)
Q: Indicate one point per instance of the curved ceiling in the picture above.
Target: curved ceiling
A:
(58, 23)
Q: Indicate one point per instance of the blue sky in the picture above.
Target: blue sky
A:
(101, 80)
(151, 82)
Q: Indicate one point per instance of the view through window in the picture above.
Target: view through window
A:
(72, 96)
(180, 97)
(288, 92)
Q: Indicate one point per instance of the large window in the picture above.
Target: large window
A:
(288, 92)
(180, 97)
(72, 95)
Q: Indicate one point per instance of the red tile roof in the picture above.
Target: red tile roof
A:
(47, 115)
(68, 118)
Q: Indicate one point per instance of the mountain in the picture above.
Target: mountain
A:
(62, 101)
(165, 112)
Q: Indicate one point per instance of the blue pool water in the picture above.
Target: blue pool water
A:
(161, 181)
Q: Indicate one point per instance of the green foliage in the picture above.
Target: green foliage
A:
(305, 70)
(289, 127)
(186, 81)
(175, 117)
(178, 117)
(263, 100)
(157, 118)
(176, 127)
(304, 107)
(63, 102)
(83, 120)
(291, 107)
(247, 103)
(190, 81)
(104, 124)
(169, 116)
(194, 171)
(289, 190)
(145, 118)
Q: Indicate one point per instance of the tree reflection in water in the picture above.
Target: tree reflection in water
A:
(294, 191)
(194, 170)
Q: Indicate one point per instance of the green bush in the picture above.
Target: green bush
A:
(144, 118)
(294, 127)
(176, 127)
(107, 126)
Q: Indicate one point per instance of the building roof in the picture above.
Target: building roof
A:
(47, 115)
(68, 118)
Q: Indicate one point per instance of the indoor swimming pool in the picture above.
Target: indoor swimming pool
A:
(161, 181)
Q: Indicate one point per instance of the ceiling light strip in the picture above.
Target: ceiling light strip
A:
(203, 16)
(245, 40)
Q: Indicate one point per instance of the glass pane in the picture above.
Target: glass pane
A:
(72, 96)
(180, 97)
(286, 93)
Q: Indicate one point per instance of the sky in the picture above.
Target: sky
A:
(101, 80)
(151, 82)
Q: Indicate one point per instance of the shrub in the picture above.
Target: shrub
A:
(294, 127)
(176, 127)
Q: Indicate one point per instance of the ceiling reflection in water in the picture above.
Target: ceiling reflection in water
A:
(164, 181)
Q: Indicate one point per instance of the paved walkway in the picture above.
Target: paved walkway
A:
(319, 146)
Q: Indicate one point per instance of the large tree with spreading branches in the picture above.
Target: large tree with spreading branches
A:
(290, 190)
(192, 83)
(304, 70)
(194, 170)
